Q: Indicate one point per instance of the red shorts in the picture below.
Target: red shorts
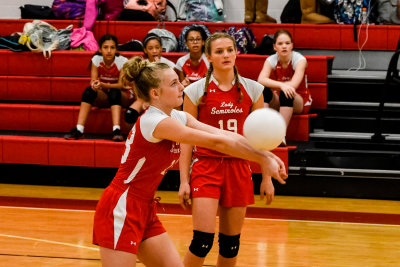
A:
(307, 100)
(226, 179)
(122, 221)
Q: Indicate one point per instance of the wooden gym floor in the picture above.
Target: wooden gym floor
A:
(52, 226)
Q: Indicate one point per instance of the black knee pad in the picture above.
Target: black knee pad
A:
(131, 115)
(267, 93)
(89, 95)
(229, 245)
(284, 101)
(114, 97)
(201, 243)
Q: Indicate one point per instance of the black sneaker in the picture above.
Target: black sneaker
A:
(74, 134)
(117, 135)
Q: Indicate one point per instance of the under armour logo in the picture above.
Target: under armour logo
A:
(133, 243)
(196, 189)
(212, 90)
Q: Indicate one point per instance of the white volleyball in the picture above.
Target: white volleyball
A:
(264, 128)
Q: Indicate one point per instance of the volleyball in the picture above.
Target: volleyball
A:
(264, 128)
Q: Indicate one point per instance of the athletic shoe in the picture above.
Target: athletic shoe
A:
(74, 134)
(117, 135)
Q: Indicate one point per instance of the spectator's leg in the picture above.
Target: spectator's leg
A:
(310, 15)
(261, 12)
(249, 6)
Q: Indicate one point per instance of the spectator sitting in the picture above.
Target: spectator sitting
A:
(152, 48)
(284, 75)
(106, 89)
(143, 10)
(194, 65)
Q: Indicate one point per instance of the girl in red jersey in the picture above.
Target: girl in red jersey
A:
(126, 226)
(152, 48)
(217, 181)
(285, 74)
(194, 65)
(106, 89)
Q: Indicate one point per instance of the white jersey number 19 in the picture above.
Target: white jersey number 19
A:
(231, 125)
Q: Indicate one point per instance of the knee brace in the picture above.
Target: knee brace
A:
(114, 97)
(131, 115)
(228, 245)
(89, 95)
(284, 101)
(267, 93)
(201, 243)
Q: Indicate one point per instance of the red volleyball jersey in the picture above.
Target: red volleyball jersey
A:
(281, 74)
(108, 75)
(194, 73)
(222, 109)
(146, 159)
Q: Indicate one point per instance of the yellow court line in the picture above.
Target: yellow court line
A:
(49, 241)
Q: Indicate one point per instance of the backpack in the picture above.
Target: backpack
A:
(181, 40)
(349, 11)
(11, 42)
(205, 10)
(244, 38)
(132, 45)
(40, 36)
(267, 45)
(181, 10)
(168, 39)
(64, 38)
(36, 12)
(69, 9)
(291, 13)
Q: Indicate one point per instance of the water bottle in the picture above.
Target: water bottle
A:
(364, 16)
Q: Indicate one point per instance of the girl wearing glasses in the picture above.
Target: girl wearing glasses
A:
(193, 66)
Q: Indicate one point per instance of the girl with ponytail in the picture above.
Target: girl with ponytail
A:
(126, 226)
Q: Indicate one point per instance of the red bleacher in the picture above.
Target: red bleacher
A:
(26, 77)
(306, 36)
(84, 153)
(58, 81)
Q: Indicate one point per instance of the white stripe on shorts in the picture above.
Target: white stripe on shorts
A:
(119, 213)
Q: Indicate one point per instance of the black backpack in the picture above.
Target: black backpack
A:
(36, 12)
(132, 45)
(291, 12)
(267, 45)
(11, 42)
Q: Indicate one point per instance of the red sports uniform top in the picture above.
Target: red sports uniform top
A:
(285, 74)
(222, 109)
(147, 159)
(108, 75)
(194, 73)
